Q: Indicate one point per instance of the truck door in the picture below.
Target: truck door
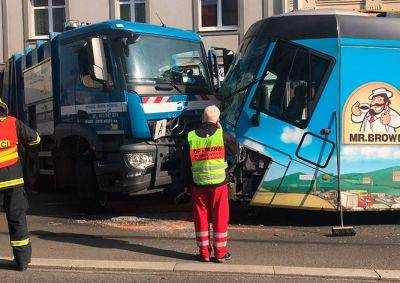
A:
(294, 106)
(98, 102)
(83, 99)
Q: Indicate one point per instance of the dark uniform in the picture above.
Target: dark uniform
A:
(14, 133)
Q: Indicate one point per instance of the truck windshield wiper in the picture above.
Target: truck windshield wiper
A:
(251, 83)
(171, 83)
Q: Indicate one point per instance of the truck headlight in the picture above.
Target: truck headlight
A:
(140, 160)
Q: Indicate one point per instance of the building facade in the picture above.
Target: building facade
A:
(221, 23)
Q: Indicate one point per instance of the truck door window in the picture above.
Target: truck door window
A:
(292, 83)
(86, 79)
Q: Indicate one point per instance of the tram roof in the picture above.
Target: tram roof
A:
(327, 23)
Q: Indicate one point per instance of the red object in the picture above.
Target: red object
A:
(8, 141)
(211, 205)
(365, 201)
(168, 99)
(207, 153)
(371, 119)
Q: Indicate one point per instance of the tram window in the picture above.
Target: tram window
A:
(292, 83)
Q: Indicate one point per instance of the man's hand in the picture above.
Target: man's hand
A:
(355, 109)
(385, 118)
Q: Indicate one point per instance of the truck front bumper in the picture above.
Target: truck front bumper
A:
(117, 174)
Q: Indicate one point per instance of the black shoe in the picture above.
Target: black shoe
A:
(22, 266)
(223, 259)
(204, 259)
(22, 256)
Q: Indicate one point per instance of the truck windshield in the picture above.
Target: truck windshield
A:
(156, 59)
(242, 72)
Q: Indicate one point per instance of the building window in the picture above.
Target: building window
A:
(49, 16)
(218, 14)
(132, 10)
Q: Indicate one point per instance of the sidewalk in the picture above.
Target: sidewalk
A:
(193, 267)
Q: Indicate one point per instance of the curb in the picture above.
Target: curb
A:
(134, 266)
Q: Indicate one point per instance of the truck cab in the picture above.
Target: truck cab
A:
(311, 95)
(113, 102)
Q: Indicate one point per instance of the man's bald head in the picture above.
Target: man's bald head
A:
(211, 114)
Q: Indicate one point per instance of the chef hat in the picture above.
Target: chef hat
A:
(380, 91)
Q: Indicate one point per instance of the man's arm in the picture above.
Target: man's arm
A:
(26, 135)
(231, 145)
(186, 164)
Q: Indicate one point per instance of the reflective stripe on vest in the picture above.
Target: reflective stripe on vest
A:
(11, 183)
(8, 142)
(21, 243)
(208, 158)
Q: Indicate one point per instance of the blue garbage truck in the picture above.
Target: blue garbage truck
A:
(314, 97)
(112, 102)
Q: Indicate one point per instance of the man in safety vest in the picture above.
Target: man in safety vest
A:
(12, 133)
(206, 150)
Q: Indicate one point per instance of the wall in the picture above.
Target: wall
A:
(252, 12)
(91, 11)
(174, 13)
(14, 28)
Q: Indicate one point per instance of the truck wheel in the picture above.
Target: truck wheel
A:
(92, 200)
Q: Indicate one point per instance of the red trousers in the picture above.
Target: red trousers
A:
(211, 205)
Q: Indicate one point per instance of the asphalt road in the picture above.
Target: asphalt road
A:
(153, 229)
(78, 277)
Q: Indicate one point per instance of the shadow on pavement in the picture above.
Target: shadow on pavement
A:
(7, 264)
(107, 243)
(291, 217)
(158, 207)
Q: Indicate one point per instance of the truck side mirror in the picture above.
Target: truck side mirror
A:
(228, 55)
(97, 60)
(213, 66)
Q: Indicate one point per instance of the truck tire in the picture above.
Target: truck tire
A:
(92, 200)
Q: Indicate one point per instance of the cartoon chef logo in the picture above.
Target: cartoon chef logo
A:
(377, 115)
(370, 117)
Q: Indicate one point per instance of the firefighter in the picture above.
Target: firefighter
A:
(12, 133)
(206, 150)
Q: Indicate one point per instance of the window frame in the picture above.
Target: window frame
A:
(111, 71)
(49, 9)
(219, 26)
(132, 4)
(318, 93)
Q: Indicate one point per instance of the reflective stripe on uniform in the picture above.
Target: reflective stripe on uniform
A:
(19, 243)
(220, 244)
(202, 234)
(220, 235)
(210, 167)
(209, 179)
(9, 157)
(35, 142)
(203, 243)
(11, 183)
(8, 151)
